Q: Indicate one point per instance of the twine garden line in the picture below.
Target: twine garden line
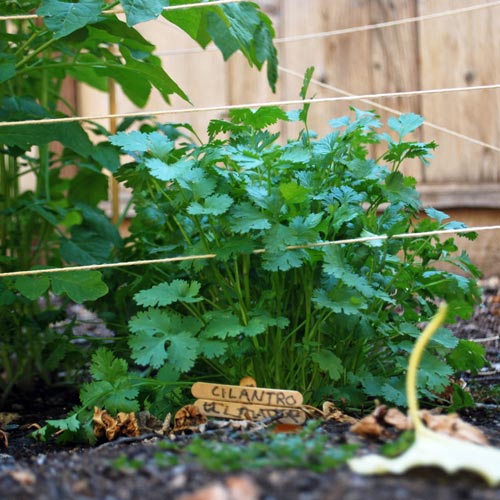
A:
(386, 24)
(345, 31)
(392, 110)
(364, 239)
(227, 107)
(121, 11)
(294, 38)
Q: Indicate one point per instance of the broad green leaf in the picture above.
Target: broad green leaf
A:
(79, 286)
(258, 118)
(265, 51)
(222, 325)
(183, 171)
(245, 217)
(131, 142)
(295, 154)
(86, 72)
(467, 355)
(339, 301)
(69, 424)
(192, 21)
(329, 362)
(376, 243)
(7, 296)
(402, 189)
(405, 124)
(234, 247)
(364, 121)
(241, 26)
(7, 67)
(93, 241)
(159, 335)
(114, 397)
(160, 145)
(436, 214)
(139, 11)
(70, 135)
(435, 373)
(212, 348)
(33, 287)
(63, 18)
(216, 204)
(283, 260)
(293, 192)
(107, 157)
(259, 323)
(88, 187)
(334, 264)
(105, 366)
(165, 294)
(150, 70)
(218, 29)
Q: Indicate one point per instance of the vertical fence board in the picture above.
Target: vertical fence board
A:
(339, 61)
(394, 65)
(459, 51)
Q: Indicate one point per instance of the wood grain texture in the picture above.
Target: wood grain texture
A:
(247, 395)
(395, 65)
(458, 51)
(241, 411)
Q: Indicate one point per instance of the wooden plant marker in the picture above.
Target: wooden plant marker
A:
(246, 402)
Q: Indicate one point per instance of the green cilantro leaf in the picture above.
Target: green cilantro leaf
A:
(165, 294)
(161, 335)
(329, 362)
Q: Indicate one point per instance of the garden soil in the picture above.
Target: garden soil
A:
(50, 471)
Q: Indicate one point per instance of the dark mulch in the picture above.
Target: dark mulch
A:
(29, 469)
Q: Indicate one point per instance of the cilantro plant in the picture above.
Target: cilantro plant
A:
(333, 321)
(273, 297)
(58, 221)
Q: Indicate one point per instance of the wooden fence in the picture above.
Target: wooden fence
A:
(457, 50)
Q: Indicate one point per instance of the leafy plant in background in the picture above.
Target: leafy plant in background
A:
(333, 321)
(58, 220)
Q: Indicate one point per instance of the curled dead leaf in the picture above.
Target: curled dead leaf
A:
(452, 425)
(397, 419)
(382, 418)
(312, 411)
(331, 412)
(190, 418)
(369, 427)
(106, 426)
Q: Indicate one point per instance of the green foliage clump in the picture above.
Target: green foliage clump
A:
(275, 297)
(58, 221)
(334, 321)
